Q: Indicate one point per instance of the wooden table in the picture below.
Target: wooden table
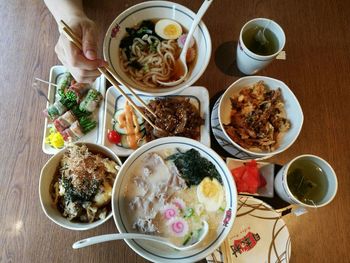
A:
(317, 69)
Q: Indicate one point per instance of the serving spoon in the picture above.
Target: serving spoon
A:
(104, 238)
(180, 64)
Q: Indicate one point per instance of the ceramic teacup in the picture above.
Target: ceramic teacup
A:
(250, 62)
(322, 191)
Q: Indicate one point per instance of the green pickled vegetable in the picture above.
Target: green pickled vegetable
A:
(78, 113)
(52, 112)
(66, 101)
(188, 212)
(87, 124)
(91, 101)
(63, 83)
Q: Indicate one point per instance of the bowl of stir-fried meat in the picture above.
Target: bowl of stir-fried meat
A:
(75, 186)
(260, 116)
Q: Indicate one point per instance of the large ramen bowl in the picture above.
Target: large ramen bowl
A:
(47, 174)
(291, 106)
(157, 252)
(154, 10)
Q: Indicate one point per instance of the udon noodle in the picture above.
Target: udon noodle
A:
(158, 63)
(146, 57)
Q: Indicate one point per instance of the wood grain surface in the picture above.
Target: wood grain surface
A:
(317, 70)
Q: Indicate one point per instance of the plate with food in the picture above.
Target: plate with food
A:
(252, 177)
(257, 117)
(259, 234)
(144, 42)
(169, 187)
(74, 111)
(184, 114)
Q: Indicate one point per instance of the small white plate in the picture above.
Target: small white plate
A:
(259, 234)
(224, 142)
(94, 136)
(265, 169)
(199, 96)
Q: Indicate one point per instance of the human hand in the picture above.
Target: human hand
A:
(81, 64)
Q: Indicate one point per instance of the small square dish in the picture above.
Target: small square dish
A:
(115, 102)
(266, 171)
(94, 135)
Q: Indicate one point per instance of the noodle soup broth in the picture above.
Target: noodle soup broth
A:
(146, 57)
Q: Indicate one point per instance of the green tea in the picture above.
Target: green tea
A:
(257, 44)
(307, 181)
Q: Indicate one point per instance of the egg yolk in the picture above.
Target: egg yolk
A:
(209, 189)
(170, 30)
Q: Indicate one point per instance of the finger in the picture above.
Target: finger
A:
(84, 76)
(89, 42)
(60, 54)
(79, 74)
(88, 80)
(77, 59)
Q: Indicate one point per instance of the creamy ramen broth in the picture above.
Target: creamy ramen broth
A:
(161, 203)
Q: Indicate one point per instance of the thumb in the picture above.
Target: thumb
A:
(89, 43)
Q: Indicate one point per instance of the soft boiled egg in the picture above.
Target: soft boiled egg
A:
(210, 193)
(168, 29)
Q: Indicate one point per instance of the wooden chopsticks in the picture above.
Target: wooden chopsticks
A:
(109, 74)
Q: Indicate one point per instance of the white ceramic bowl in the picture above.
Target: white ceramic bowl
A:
(156, 10)
(156, 252)
(46, 176)
(291, 105)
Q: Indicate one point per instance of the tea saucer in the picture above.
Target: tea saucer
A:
(223, 141)
(259, 234)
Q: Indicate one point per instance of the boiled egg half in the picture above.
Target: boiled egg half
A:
(210, 193)
(168, 29)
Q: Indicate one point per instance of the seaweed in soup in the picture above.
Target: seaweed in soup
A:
(145, 28)
(193, 167)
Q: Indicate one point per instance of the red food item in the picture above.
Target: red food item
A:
(248, 178)
(114, 137)
(262, 181)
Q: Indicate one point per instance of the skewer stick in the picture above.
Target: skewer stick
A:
(47, 82)
(39, 91)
